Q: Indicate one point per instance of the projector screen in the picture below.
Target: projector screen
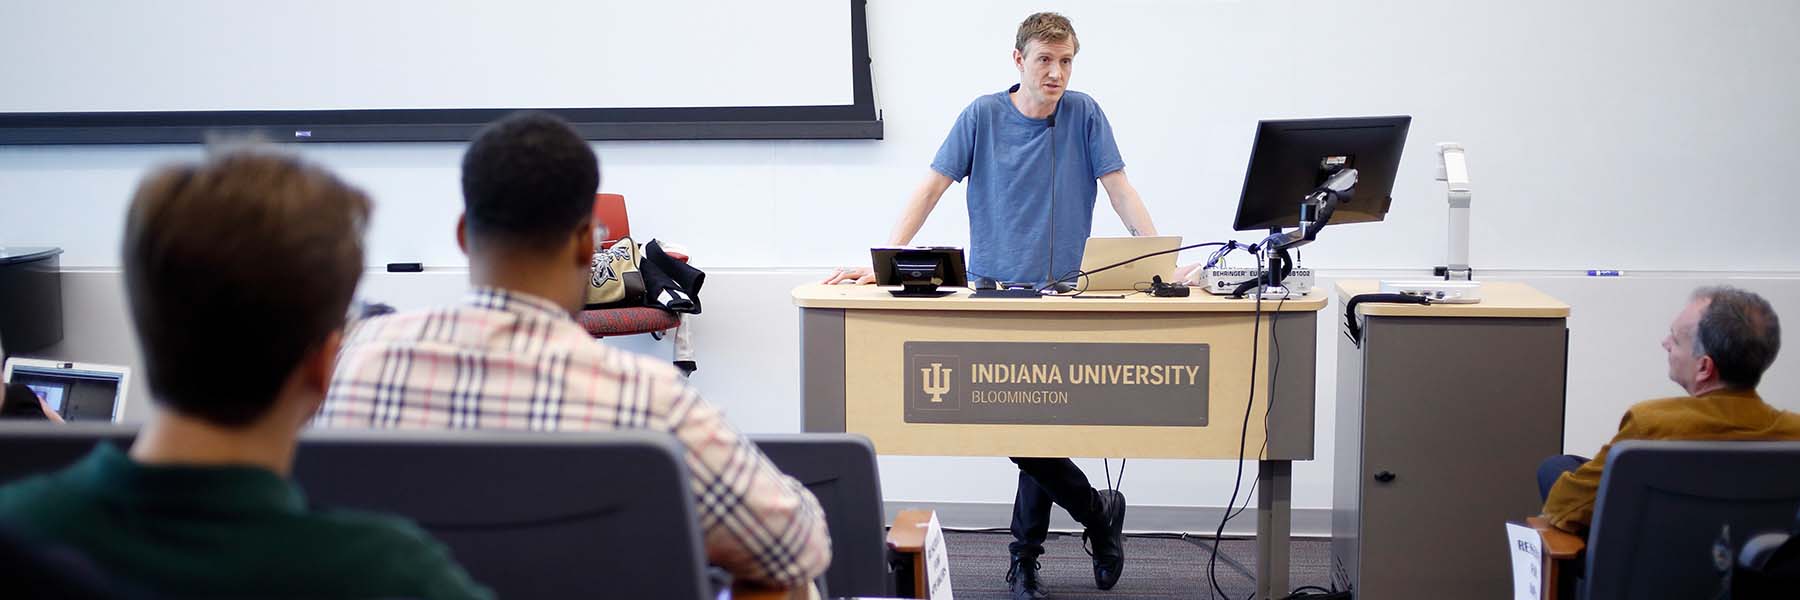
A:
(397, 70)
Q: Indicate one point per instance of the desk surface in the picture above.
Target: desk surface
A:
(874, 297)
(1498, 299)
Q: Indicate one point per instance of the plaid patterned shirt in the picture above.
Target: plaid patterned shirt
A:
(504, 360)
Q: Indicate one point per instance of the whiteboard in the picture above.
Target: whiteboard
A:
(217, 55)
(1611, 134)
(424, 70)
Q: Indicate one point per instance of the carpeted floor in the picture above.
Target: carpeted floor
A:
(1154, 567)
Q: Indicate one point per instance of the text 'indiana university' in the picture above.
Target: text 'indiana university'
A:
(1083, 374)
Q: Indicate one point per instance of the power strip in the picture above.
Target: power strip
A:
(1440, 292)
(1222, 281)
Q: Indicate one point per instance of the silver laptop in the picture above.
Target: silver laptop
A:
(1104, 251)
(77, 391)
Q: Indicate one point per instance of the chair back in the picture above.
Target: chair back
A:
(840, 469)
(30, 448)
(1664, 504)
(609, 210)
(530, 515)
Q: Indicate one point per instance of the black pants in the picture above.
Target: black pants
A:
(1042, 482)
(1553, 468)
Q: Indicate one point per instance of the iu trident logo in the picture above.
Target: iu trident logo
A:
(936, 381)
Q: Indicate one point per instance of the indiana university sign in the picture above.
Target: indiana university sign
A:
(1056, 383)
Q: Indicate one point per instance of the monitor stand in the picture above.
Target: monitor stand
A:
(920, 291)
(1268, 283)
(1275, 292)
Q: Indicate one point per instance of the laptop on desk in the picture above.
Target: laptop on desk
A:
(77, 391)
(1131, 276)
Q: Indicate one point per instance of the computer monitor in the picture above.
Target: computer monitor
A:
(1291, 158)
(77, 391)
(920, 270)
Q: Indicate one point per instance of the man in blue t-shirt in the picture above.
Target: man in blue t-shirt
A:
(1032, 155)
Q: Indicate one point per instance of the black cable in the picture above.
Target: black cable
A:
(1050, 261)
(1274, 369)
(1354, 329)
(1107, 465)
(1221, 253)
(1323, 594)
(1274, 372)
(1237, 481)
(1083, 275)
(1269, 407)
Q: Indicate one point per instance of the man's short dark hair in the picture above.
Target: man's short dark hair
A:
(235, 268)
(1741, 333)
(528, 181)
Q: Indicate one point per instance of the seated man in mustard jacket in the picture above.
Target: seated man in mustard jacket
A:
(1719, 347)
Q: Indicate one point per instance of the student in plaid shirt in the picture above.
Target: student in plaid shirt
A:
(511, 356)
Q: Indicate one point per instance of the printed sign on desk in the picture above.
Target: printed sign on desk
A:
(937, 561)
(1527, 562)
(1056, 383)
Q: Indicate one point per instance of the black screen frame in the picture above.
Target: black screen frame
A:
(858, 120)
(1275, 182)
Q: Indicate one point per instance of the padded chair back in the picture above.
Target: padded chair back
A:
(840, 469)
(609, 210)
(531, 515)
(37, 447)
(1663, 504)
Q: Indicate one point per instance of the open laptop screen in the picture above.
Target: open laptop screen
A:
(77, 391)
(1103, 252)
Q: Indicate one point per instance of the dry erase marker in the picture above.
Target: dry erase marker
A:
(1604, 272)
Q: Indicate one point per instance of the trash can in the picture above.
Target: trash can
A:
(31, 312)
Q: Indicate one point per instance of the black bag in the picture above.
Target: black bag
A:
(670, 284)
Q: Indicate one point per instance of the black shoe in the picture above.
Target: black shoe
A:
(1022, 579)
(1107, 541)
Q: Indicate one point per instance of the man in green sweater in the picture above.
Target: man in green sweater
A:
(238, 272)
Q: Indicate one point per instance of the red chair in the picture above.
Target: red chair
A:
(609, 211)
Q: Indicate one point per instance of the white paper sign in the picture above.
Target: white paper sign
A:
(937, 561)
(1527, 562)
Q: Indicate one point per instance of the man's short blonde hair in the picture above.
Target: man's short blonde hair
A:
(1047, 27)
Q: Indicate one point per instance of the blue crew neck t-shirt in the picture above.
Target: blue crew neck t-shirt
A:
(1007, 160)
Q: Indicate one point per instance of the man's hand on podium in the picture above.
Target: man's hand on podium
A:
(1190, 273)
(853, 275)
